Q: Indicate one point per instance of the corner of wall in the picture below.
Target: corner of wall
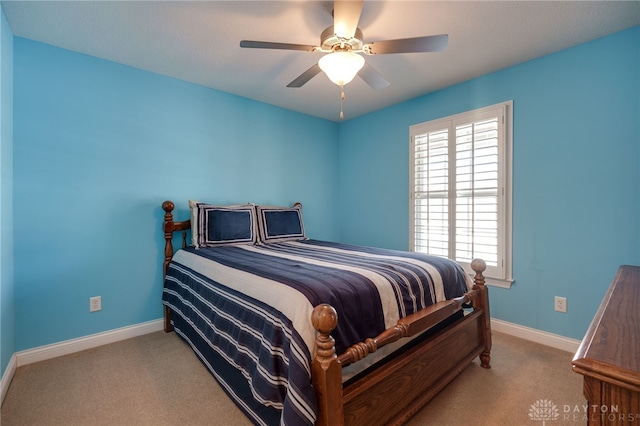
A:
(7, 322)
(7, 377)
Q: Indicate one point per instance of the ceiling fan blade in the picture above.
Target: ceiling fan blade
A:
(372, 77)
(436, 43)
(305, 76)
(269, 45)
(346, 15)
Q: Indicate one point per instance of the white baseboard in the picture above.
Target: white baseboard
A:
(67, 347)
(534, 335)
(7, 377)
(76, 345)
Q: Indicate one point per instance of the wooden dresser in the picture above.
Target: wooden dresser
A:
(609, 356)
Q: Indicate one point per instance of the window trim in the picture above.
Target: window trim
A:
(505, 171)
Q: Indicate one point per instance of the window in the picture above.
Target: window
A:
(460, 180)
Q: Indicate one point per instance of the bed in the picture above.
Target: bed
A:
(302, 331)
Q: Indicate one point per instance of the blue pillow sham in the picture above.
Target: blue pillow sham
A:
(213, 225)
(278, 224)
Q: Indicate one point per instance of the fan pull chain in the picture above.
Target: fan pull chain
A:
(341, 101)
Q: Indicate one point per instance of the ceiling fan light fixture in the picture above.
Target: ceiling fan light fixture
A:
(341, 67)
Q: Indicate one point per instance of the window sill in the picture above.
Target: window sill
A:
(497, 282)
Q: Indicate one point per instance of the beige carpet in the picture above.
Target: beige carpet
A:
(156, 380)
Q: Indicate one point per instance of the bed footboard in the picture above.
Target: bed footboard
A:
(397, 390)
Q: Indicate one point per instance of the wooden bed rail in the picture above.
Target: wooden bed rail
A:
(325, 320)
(408, 326)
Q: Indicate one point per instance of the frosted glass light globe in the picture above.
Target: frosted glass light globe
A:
(341, 67)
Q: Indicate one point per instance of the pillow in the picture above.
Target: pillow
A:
(222, 225)
(193, 207)
(279, 224)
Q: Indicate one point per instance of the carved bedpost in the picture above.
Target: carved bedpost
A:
(167, 227)
(326, 372)
(479, 266)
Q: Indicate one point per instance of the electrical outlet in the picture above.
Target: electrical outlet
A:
(95, 304)
(560, 304)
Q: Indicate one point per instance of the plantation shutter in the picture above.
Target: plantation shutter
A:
(477, 188)
(457, 193)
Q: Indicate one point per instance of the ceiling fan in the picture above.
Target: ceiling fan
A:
(341, 44)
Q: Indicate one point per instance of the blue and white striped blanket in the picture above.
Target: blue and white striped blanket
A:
(246, 311)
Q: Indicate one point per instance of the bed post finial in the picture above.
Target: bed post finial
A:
(326, 371)
(168, 207)
(324, 318)
(478, 266)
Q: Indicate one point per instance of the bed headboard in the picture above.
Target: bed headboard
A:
(169, 227)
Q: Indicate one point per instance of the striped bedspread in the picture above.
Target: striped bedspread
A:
(246, 311)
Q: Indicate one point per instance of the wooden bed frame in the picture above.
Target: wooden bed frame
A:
(394, 392)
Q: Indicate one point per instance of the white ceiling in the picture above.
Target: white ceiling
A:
(199, 41)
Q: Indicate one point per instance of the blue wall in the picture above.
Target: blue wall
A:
(99, 146)
(7, 303)
(576, 180)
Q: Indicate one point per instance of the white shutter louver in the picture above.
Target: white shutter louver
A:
(431, 193)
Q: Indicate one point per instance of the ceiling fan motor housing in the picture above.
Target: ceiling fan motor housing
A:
(329, 41)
